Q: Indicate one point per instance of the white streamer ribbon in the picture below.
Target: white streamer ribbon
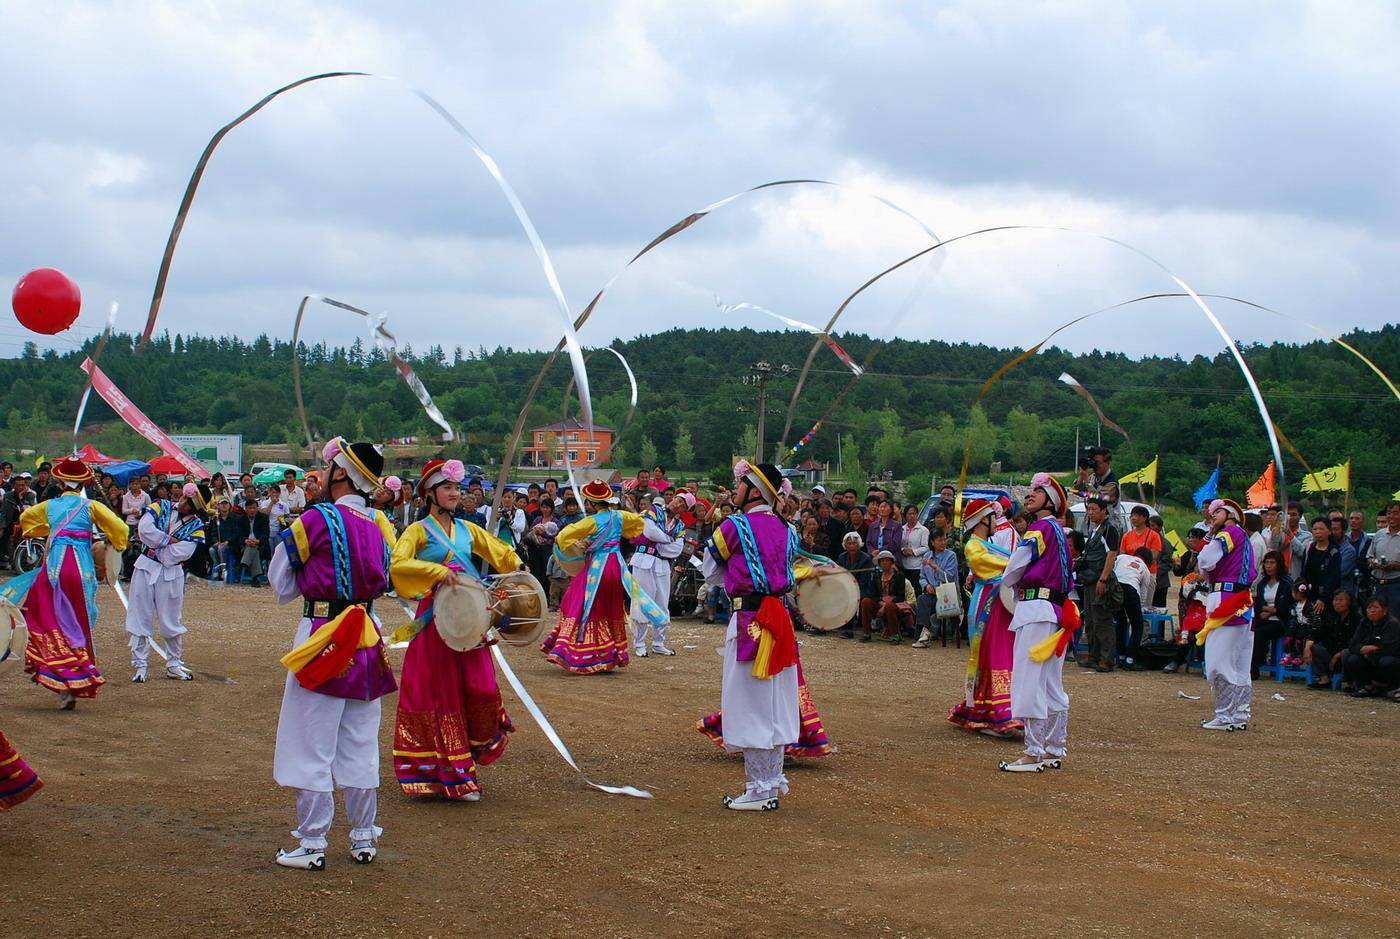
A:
(553, 735)
(96, 358)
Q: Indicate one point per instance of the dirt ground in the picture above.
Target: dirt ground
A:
(159, 815)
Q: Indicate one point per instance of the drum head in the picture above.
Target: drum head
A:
(459, 611)
(829, 598)
(517, 605)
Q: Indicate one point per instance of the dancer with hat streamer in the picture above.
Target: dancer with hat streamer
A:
(1044, 621)
(751, 554)
(170, 534)
(651, 565)
(986, 704)
(591, 635)
(450, 715)
(1228, 560)
(60, 596)
(335, 556)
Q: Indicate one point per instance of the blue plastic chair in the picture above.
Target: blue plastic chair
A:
(1280, 672)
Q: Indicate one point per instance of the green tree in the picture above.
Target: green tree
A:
(890, 448)
(1024, 438)
(851, 470)
(649, 454)
(981, 439)
(748, 443)
(685, 450)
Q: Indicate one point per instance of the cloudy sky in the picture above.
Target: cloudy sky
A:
(1251, 147)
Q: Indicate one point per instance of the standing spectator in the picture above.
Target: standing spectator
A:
(290, 495)
(510, 527)
(1189, 596)
(1322, 570)
(16, 500)
(1258, 543)
(570, 513)
(855, 521)
(245, 482)
(855, 559)
(1296, 539)
(1134, 573)
(1099, 590)
(1164, 565)
(539, 541)
(7, 470)
(913, 544)
(1372, 664)
(467, 511)
(1360, 542)
(1273, 608)
(1098, 478)
(940, 566)
(833, 529)
(946, 498)
(1383, 557)
(1140, 535)
(883, 532)
(1327, 643)
(811, 535)
(134, 503)
(1346, 553)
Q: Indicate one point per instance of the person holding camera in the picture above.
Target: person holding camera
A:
(1100, 593)
(1096, 476)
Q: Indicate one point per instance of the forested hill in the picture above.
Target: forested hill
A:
(909, 414)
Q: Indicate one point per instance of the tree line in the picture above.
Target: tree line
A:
(910, 415)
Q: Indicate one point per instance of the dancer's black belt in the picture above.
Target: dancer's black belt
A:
(330, 609)
(750, 602)
(1228, 586)
(1041, 593)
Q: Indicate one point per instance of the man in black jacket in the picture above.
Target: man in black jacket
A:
(16, 500)
(1372, 664)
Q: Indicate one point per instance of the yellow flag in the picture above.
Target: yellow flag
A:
(1178, 546)
(1332, 479)
(1148, 475)
(38, 460)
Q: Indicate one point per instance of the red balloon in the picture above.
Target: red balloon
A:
(46, 301)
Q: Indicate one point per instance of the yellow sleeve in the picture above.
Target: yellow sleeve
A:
(982, 560)
(492, 550)
(568, 540)
(632, 524)
(413, 576)
(34, 521)
(111, 525)
(386, 528)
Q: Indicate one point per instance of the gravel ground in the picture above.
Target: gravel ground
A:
(159, 814)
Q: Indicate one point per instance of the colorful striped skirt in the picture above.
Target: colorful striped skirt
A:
(450, 718)
(601, 644)
(60, 655)
(812, 739)
(986, 703)
(17, 781)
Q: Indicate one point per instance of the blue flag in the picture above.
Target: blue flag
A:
(1207, 491)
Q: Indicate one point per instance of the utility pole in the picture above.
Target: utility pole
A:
(759, 373)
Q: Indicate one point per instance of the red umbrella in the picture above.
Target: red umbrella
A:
(91, 455)
(168, 465)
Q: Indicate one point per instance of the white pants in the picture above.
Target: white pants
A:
(1229, 650)
(316, 811)
(157, 601)
(1038, 698)
(324, 742)
(656, 582)
(759, 713)
(764, 770)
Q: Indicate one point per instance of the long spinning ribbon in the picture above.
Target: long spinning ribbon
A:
(553, 735)
(570, 340)
(823, 337)
(96, 360)
(519, 429)
(1084, 393)
(568, 391)
(385, 342)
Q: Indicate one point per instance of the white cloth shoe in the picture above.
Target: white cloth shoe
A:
(1227, 726)
(363, 853)
(640, 653)
(925, 637)
(751, 802)
(1015, 766)
(177, 672)
(472, 797)
(139, 678)
(663, 650)
(303, 859)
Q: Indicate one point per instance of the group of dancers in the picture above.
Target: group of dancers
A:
(341, 555)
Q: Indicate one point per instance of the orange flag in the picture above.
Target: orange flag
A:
(1264, 491)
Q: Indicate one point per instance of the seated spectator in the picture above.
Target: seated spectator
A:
(20, 497)
(467, 510)
(1372, 664)
(854, 559)
(885, 600)
(940, 566)
(220, 534)
(1327, 642)
(1273, 609)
